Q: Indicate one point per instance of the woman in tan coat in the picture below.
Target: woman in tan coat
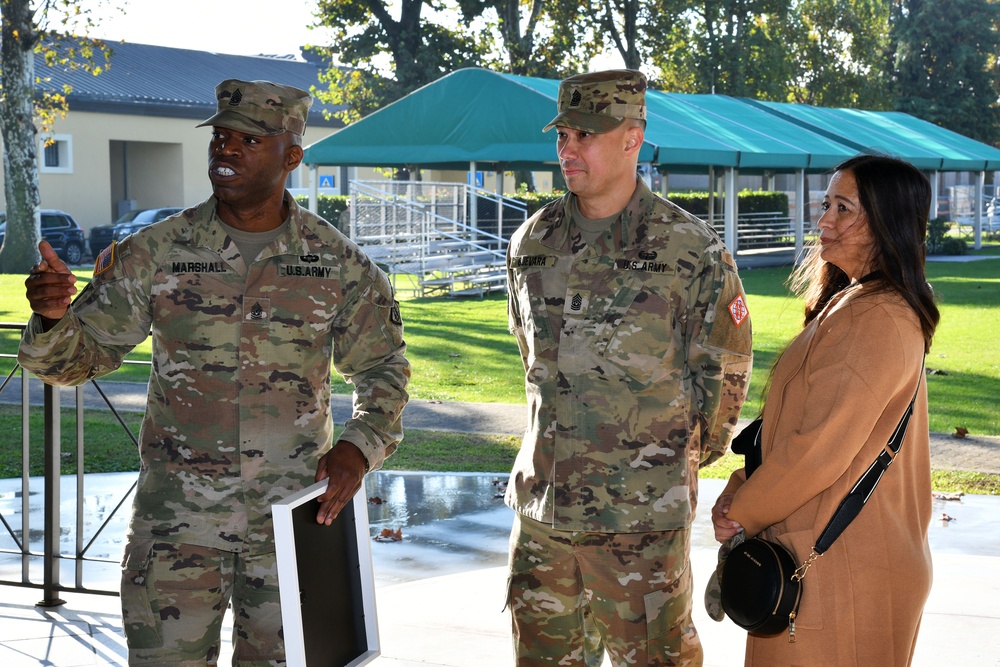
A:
(835, 396)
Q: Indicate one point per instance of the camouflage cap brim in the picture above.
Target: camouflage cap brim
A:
(262, 108)
(585, 122)
(234, 120)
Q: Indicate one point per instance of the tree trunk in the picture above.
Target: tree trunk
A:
(20, 165)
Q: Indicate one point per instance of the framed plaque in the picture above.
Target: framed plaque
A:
(326, 582)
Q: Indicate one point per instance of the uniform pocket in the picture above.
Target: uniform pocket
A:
(668, 610)
(641, 340)
(140, 617)
(530, 295)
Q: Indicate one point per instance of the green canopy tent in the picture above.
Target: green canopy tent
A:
(475, 117)
(763, 143)
(925, 145)
(468, 116)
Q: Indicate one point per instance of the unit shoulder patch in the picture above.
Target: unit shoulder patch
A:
(738, 310)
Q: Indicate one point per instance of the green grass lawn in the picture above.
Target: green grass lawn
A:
(461, 350)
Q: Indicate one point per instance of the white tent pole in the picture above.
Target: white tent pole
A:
(474, 201)
(313, 189)
(935, 193)
(711, 195)
(665, 183)
(731, 209)
(801, 208)
(978, 229)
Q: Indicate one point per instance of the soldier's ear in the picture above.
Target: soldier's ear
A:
(293, 157)
(633, 139)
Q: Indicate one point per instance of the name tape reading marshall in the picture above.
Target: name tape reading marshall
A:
(198, 267)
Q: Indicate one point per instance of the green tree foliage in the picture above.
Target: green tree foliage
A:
(531, 37)
(731, 47)
(419, 50)
(620, 20)
(944, 50)
(840, 53)
(27, 29)
(636, 29)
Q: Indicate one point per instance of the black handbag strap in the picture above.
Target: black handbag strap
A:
(856, 498)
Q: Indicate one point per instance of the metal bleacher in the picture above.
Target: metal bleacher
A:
(450, 238)
(758, 231)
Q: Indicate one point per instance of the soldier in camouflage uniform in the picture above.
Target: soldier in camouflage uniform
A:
(635, 338)
(248, 299)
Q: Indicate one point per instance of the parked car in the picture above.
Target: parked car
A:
(102, 235)
(61, 231)
(142, 219)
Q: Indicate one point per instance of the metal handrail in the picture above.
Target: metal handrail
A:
(51, 553)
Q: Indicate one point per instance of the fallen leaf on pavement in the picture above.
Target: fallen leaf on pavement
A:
(389, 535)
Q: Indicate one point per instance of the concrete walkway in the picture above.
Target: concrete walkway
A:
(440, 592)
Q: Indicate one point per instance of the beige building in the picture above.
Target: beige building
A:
(130, 138)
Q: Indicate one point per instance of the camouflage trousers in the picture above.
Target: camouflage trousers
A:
(573, 595)
(174, 597)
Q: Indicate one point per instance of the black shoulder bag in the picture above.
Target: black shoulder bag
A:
(761, 585)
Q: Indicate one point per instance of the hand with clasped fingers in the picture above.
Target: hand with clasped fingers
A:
(50, 286)
(724, 527)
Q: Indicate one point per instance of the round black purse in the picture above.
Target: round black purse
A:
(760, 590)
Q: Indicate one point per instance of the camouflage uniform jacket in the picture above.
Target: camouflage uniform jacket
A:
(637, 356)
(238, 407)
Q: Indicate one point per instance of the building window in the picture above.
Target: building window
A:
(56, 152)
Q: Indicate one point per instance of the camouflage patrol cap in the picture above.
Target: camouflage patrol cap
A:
(600, 101)
(261, 108)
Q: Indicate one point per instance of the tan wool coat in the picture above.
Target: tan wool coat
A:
(836, 396)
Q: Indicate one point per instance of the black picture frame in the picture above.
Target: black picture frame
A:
(326, 582)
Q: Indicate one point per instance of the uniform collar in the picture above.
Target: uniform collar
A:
(623, 229)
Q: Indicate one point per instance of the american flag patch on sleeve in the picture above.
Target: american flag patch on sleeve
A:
(105, 260)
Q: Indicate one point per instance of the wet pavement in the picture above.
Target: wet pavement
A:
(440, 590)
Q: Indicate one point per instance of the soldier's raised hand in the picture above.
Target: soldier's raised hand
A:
(50, 286)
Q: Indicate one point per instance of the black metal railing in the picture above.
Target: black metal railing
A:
(52, 554)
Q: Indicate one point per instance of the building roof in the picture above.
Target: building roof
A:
(177, 83)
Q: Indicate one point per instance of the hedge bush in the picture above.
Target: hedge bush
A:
(535, 200)
(750, 201)
(330, 206)
(954, 246)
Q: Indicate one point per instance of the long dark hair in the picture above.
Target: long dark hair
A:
(896, 199)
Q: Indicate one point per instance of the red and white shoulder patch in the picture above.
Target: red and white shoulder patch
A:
(738, 310)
